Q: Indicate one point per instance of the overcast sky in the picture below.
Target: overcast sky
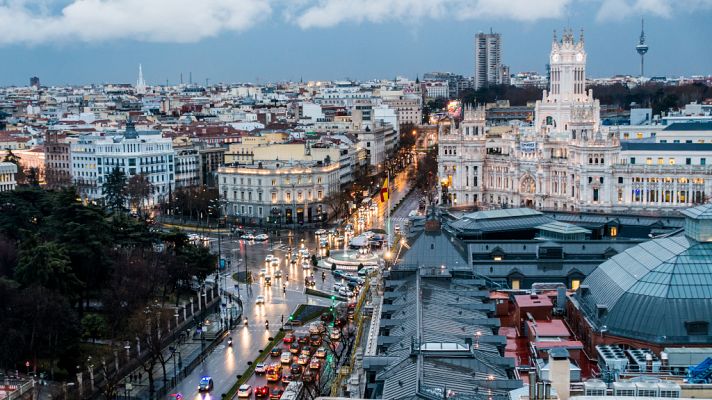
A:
(98, 41)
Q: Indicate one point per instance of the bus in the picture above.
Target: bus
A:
(292, 391)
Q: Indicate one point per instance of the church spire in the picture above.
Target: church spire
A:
(140, 83)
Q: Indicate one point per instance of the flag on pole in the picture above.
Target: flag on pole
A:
(384, 191)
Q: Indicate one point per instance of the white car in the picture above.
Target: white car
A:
(260, 300)
(268, 258)
(260, 368)
(274, 262)
(396, 228)
(304, 253)
(261, 237)
(345, 292)
(263, 272)
(277, 274)
(286, 357)
(338, 287)
(306, 265)
(320, 232)
(245, 391)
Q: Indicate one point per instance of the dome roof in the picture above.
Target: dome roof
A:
(659, 291)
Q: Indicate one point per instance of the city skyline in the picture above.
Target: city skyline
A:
(330, 41)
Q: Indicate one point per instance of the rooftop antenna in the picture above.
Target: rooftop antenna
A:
(642, 48)
(181, 78)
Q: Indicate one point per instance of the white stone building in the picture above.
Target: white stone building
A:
(566, 159)
(93, 157)
(279, 192)
(8, 171)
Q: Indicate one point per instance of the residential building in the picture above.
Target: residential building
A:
(8, 171)
(408, 108)
(436, 89)
(279, 192)
(187, 163)
(211, 158)
(488, 59)
(93, 157)
(58, 171)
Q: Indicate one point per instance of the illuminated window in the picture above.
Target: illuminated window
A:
(639, 135)
(661, 161)
(649, 161)
(289, 196)
(671, 161)
(614, 231)
(575, 283)
(498, 258)
(515, 284)
(274, 197)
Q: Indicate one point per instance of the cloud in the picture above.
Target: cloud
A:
(176, 21)
(620, 9)
(328, 13)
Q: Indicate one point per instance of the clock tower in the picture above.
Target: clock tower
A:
(568, 69)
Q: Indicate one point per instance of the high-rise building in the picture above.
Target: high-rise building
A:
(488, 59)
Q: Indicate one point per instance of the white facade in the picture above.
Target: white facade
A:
(8, 171)
(408, 108)
(278, 192)
(566, 160)
(94, 157)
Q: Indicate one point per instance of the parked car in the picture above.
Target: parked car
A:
(244, 391)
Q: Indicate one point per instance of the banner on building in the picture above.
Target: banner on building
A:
(527, 147)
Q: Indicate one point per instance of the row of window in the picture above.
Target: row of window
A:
(671, 161)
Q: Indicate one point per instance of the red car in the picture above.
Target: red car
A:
(288, 339)
(261, 391)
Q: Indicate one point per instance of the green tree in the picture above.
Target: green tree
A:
(93, 326)
(138, 190)
(11, 157)
(115, 193)
(48, 265)
(33, 177)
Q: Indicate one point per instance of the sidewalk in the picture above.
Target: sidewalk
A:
(188, 353)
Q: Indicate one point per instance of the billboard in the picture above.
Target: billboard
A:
(454, 108)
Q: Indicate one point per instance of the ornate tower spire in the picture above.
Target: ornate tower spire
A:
(140, 83)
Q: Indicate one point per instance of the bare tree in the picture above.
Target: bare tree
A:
(139, 189)
(151, 327)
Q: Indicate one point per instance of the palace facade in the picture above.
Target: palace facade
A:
(565, 159)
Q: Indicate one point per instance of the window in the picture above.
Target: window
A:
(688, 161)
(515, 284)
(289, 196)
(614, 231)
(703, 161)
(671, 161)
(575, 283)
(274, 182)
(649, 161)
(661, 161)
(318, 195)
(274, 197)
(620, 179)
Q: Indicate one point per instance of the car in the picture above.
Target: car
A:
(261, 391)
(314, 327)
(302, 360)
(338, 273)
(296, 369)
(338, 286)
(306, 265)
(349, 228)
(275, 394)
(259, 300)
(326, 317)
(314, 363)
(340, 239)
(260, 368)
(294, 348)
(261, 237)
(323, 243)
(365, 271)
(244, 391)
(274, 373)
(335, 335)
(274, 262)
(285, 358)
(303, 339)
(304, 253)
(320, 232)
(286, 378)
(263, 272)
(277, 274)
(289, 338)
(320, 352)
(315, 340)
(396, 228)
(268, 280)
(345, 292)
(268, 258)
(205, 384)
(247, 236)
(309, 281)
(276, 352)
(306, 351)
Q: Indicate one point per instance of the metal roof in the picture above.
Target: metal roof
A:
(503, 213)
(656, 146)
(700, 212)
(689, 126)
(562, 227)
(652, 291)
(434, 249)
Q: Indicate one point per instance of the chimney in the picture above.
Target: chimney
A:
(559, 372)
(540, 391)
(664, 362)
(547, 389)
(532, 385)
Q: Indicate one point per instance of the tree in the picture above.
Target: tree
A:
(20, 177)
(93, 326)
(115, 190)
(138, 190)
(48, 265)
(150, 326)
(33, 177)
(337, 203)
